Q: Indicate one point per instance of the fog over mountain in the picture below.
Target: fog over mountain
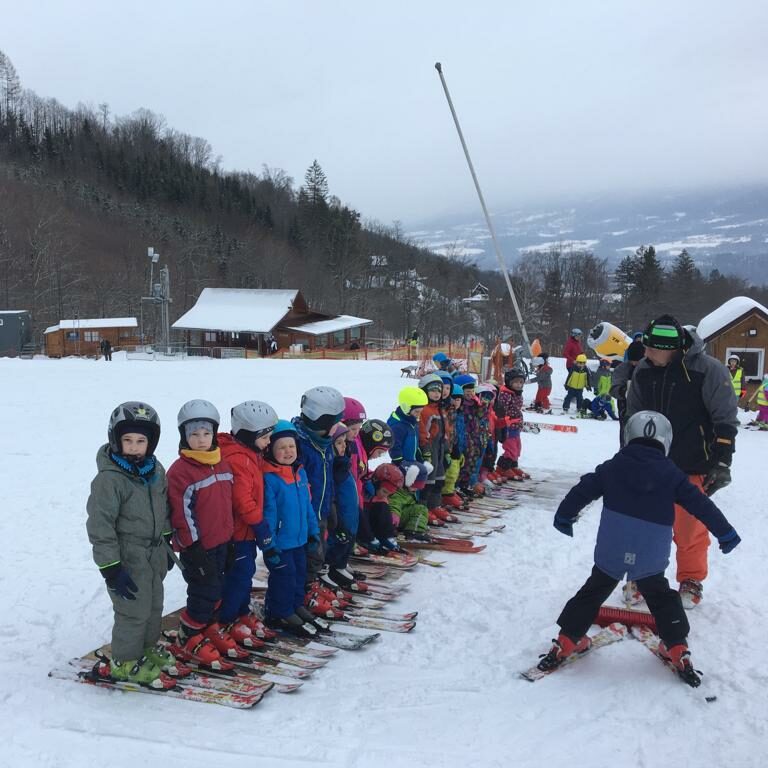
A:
(724, 229)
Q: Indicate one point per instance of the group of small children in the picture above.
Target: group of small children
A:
(292, 489)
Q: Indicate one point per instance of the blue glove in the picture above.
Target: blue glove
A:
(272, 557)
(730, 541)
(563, 525)
(120, 582)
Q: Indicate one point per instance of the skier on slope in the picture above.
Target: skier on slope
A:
(129, 527)
(640, 486)
(694, 391)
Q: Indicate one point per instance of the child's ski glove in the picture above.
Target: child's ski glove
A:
(119, 581)
(272, 557)
(199, 564)
(563, 525)
(730, 541)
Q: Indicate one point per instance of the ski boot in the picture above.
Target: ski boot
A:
(443, 514)
(435, 521)
(454, 500)
(346, 580)
(294, 625)
(496, 478)
(679, 657)
(561, 649)
(325, 595)
(258, 628)
(192, 646)
(223, 642)
(359, 550)
(691, 593)
(391, 545)
(418, 536)
(478, 489)
(166, 661)
(142, 672)
(318, 619)
(242, 633)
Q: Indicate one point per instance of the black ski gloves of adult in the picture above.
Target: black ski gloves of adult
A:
(200, 566)
(119, 581)
(563, 525)
(717, 477)
(729, 542)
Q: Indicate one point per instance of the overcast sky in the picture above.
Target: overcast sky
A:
(558, 98)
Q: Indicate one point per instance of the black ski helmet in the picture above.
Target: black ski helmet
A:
(375, 433)
(512, 374)
(133, 416)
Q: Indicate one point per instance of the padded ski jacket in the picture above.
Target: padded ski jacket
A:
(316, 457)
(125, 509)
(200, 496)
(571, 350)
(579, 378)
(543, 376)
(347, 500)
(248, 487)
(602, 379)
(509, 406)
(640, 487)
(695, 393)
(405, 438)
(287, 506)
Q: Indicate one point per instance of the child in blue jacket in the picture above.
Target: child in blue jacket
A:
(640, 486)
(293, 525)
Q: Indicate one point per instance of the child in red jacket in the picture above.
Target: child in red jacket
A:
(252, 424)
(200, 497)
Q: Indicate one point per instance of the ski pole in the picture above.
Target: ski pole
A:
(499, 255)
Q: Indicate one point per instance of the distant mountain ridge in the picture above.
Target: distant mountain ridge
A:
(721, 229)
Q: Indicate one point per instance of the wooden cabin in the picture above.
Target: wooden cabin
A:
(83, 337)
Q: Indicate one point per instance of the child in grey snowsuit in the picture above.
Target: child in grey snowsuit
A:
(129, 527)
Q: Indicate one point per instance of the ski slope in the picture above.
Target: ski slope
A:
(447, 694)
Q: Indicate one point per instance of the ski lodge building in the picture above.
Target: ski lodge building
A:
(247, 317)
(82, 337)
(739, 327)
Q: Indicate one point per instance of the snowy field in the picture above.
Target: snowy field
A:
(446, 695)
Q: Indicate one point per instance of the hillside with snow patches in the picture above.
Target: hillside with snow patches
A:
(447, 694)
(725, 230)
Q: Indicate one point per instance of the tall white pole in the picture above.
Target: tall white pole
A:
(499, 255)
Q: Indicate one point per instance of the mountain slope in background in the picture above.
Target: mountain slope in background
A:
(722, 229)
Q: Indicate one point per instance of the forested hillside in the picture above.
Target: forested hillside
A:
(84, 193)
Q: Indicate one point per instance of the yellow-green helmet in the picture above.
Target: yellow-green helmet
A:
(411, 397)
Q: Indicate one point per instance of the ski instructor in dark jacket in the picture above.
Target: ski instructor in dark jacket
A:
(694, 391)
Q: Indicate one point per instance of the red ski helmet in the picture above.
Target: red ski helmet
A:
(388, 476)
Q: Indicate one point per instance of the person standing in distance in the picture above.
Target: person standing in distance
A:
(694, 391)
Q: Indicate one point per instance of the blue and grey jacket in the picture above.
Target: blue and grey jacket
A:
(316, 456)
(640, 487)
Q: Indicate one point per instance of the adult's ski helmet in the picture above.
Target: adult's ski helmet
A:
(664, 332)
(576, 332)
(137, 417)
(354, 411)
(375, 433)
(649, 425)
(321, 408)
(411, 397)
(251, 420)
(440, 357)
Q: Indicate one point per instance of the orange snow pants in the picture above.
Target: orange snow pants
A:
(692, 540)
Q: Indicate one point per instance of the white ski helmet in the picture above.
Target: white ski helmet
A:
(649, 425)
(430, 379)
(133, 417)
(321, 408)
(734, 357)
(576, 332)
(254, 418)
(197, 410)
(537, 361)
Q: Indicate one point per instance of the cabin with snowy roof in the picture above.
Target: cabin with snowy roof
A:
(82, 337)
(248, 317)
(739, 327)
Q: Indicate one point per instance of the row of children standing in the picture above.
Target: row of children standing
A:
(289, 488)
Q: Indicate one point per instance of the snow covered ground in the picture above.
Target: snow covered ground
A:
(448, 694)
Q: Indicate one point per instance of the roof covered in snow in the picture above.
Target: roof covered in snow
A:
(726, 314)
(247, 310)
(13, 311)
(331, 325)
(85, 324)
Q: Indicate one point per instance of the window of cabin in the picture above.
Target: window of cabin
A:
(91, 336)
(339, 337)
(354, 333)
(322, 341)
(73, 335)
(210, 335)
(752, 361)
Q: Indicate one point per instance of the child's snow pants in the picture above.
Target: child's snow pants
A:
(285, 586)
(236, 595)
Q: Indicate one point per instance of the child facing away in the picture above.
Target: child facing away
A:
(577, 381)
(200, 496)
(252, 423)
(543, 378)
(640, 486)
(129, 527)
(509, 413)
(294, 526)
